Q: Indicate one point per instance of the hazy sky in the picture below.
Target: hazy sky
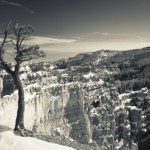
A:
(67, 27)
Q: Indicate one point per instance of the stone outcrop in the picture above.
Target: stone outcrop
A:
(77, 117)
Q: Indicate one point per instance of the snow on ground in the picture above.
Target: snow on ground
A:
(119, 144)
(89, 75)
(10, 141)
(100, 82)
(121, 96)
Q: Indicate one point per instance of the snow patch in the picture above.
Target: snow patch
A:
(119, 145)
(8, 140)
(89, 75)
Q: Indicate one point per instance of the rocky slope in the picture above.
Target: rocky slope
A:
(100, 99)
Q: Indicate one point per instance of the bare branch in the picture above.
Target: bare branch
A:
(17, 36)
(6, 67)
(32, 52)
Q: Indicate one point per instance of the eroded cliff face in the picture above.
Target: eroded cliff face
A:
(119, 121)
(50, 109)
(77, 117)
(68, 109)
(84, 112)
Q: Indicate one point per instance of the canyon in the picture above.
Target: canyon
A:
(100, 99)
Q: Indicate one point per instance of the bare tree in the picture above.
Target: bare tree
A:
(17, 36)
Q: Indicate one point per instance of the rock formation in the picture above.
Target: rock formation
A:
(104, 104)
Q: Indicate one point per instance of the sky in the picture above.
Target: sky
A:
(64, 28)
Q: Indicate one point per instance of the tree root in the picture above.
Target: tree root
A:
(23, 132)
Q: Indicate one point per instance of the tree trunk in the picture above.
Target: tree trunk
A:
(21, 104)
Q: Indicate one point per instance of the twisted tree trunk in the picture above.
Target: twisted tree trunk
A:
(21, 104)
